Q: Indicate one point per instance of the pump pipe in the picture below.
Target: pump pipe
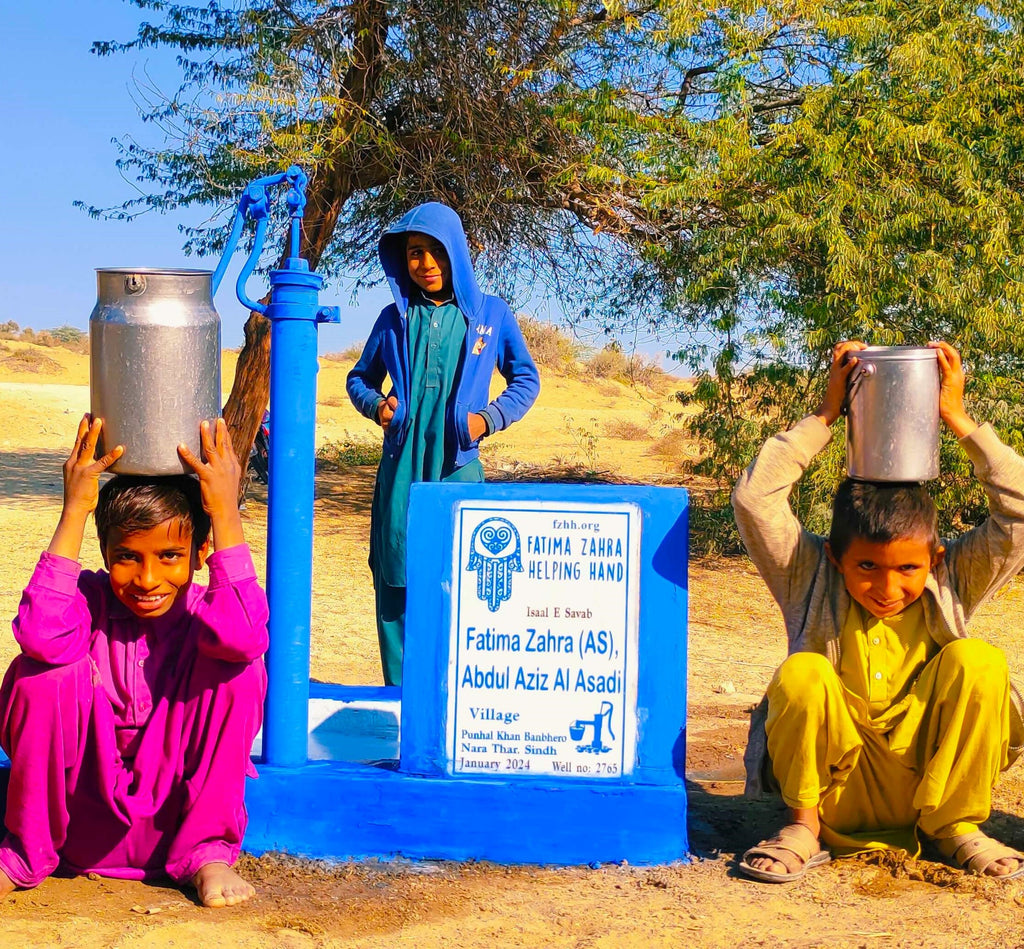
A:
(294, 312)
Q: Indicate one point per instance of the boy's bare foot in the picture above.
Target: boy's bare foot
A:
(7, 885)
(218, 885)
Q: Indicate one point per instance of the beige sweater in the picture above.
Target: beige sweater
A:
(810, 590)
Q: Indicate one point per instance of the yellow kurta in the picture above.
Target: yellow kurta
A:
(903, 735)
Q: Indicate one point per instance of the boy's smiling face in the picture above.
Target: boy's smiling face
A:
(886, 577)
(150, 570)
(429, 266)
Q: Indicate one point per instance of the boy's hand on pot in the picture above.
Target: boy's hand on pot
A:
(220, 474)
(477, 426)
(951, 393)
(81, 488)
(386, 411)
(844, 361)
(82, 470)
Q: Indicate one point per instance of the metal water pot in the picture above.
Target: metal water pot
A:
(892, 429)
(154, 339)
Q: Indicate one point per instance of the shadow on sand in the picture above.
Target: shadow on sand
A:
(32, 475)
(345, 491)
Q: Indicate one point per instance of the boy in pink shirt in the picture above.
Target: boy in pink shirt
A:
(130, 713)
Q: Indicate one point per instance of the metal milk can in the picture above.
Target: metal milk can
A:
(892, 429)
(154, 339)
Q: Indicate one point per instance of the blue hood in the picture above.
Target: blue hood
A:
(442, 223)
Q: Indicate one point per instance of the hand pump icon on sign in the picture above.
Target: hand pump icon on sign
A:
(602, 720)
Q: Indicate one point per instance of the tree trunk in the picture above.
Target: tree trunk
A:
(250, 390)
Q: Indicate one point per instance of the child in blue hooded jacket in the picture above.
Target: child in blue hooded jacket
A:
(439, 343)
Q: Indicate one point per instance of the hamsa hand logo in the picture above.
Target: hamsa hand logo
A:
(494, 555)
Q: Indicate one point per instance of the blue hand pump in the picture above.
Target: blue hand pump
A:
(294, 312)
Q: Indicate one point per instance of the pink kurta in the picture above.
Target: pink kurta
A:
(129, 738)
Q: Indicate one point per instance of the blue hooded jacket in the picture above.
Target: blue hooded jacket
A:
(492, 339)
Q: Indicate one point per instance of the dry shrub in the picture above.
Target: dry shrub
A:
(30, 360)
(607, 363)
(348, 354)
(672, 446)
(67, 337)
(642, 371)
(556, 472)
(626, 429)
(548, 345)
(333, 401)
(633, 370)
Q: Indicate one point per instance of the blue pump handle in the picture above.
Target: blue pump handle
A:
(255, 204)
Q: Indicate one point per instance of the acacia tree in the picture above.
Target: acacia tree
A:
(387, 103)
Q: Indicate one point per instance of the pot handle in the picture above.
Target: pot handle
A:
(855, 382)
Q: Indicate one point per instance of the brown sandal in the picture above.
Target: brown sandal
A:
(795, 846)
(976, 852)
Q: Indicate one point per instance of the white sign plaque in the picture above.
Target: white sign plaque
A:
(543, 657)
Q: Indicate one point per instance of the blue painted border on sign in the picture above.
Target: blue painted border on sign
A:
(661, 681)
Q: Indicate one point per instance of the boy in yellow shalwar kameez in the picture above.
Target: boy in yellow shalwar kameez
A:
(885, 721)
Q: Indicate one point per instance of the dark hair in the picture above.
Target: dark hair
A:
(881, 512)
(133, 503)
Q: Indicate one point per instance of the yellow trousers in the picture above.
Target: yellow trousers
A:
(930, 761)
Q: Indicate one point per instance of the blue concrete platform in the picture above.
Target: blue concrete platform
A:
(429, 807)
(348, 811)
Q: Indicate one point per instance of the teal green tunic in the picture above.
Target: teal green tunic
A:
(436, 338)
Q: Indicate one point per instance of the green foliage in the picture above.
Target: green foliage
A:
(69, 334)
(738, 414)
(712, 527)
(841, 171)
(958, 496)
(70, 337)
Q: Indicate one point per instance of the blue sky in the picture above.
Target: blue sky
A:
(60, 106)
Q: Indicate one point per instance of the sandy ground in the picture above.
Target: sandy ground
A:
(735, 643)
